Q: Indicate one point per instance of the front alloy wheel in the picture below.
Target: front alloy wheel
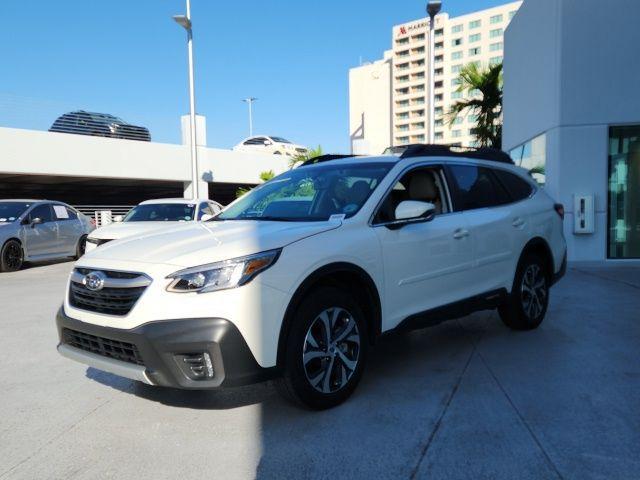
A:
(325, 350)
(331, 350)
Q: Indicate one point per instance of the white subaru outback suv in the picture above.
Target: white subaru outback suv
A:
(296, 279)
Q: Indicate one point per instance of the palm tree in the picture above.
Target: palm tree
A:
(484, 86)
(264, 176)
(312, 153)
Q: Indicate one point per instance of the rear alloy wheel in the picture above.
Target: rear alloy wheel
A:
(527, 304)
(11, 257)
(326, 350)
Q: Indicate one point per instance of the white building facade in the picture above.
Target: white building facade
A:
(473, 38)
(572, 108)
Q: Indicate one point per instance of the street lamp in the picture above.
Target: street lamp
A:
(249, 101)
(185, 22)
(433, 8)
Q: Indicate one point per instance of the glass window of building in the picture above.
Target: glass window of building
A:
(456, 68)
(456, 95)
(475, 24)
(495, 60)
(457, 28)
(475, 37)
(496, 19)
(456, 133)
(495, 47)
(495, 33)
(456, 55)
(532, 155)
(456, 42)
(439, 135)
(624, 192)
(474, 51)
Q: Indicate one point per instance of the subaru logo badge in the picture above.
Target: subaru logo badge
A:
(94, 281)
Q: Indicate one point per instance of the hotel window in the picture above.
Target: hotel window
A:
(474, 92)
(456, 133)
(417, 126)
(404, 78)
(457, 28)
(474, 51)
(472, 118)
(417, 101)
(439, 46)
(456, 55)
(417, 113)
(438, 84)
(438, 71)
(417, 50)
(402, 41)
(402, 103)
(417, 76)
(456, 95)
(439, 110)
(403, 128)
(495, 60)
(496, 19)
(403, 53)
(439, 32)
(439, 59)
(495, 33)
(417, 89)
(438, 97)
(475, 37)
(417, 63)
(457, 121)
(402, 91)
(402, 66)
(624, 192)
(496, 47)
(438, 135)
(402, 116)
(402, 140)
(417, 38)
(456, 69)
(439, 122)
(455, 82)
(417, 138)
(457, 42)
(475, 24)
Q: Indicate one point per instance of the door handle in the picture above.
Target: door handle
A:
(518, 222)
(460, 233)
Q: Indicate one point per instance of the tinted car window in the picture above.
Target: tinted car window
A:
(10, 211)
(43, 212)
(476, 187)
(518, 188)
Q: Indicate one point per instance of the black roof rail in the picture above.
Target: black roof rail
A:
(480, 153)
(327, 158)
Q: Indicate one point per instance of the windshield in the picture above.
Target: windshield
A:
(10, 211)
(280, 140)
(161, 212)
(310, 193)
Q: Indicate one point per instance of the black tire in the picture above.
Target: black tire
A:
(526, 306)
(277, 153)
(82, 246)
(329, 361)
(11, 256)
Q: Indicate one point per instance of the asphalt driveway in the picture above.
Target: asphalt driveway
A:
(467, 399)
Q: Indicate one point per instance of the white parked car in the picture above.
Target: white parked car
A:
(298, 278)
(270, 145)
(153, 215)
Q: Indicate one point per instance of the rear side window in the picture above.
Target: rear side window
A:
(476, 187)
(518, 188)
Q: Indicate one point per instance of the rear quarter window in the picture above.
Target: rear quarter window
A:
(518, 188)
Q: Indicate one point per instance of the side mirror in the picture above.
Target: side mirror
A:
(267, 142)
(412, 211)
(35, 221)
(206, 217)
(117, 219)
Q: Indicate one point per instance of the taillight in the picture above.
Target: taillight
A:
(559, 208)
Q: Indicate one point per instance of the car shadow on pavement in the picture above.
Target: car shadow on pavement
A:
(394, 359)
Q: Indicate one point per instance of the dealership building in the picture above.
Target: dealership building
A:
(388, 102)
(572, 106)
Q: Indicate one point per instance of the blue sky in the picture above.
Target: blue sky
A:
(128, 58)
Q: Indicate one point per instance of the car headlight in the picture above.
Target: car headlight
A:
(222, 275)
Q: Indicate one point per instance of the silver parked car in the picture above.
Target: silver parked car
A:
(33, 230)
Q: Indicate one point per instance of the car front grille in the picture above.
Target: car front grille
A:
(118, 295)
(123, 351)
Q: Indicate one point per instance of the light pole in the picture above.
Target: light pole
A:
(185, 22)
(433, 8)
(249, 101)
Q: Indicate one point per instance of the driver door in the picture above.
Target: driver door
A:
(425, 264)
(41, 239)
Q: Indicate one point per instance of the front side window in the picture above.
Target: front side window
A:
(476, 187)
(43, 212)
(161, 212)
(11, 211)
(311, 193)
(421, 184)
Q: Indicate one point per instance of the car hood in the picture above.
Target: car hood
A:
(116, 231)
(201, 243)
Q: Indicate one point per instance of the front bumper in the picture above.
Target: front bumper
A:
(162, 349)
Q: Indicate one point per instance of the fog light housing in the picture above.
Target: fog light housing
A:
(197, 366)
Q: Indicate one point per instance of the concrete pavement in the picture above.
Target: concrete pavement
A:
(467, 399)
